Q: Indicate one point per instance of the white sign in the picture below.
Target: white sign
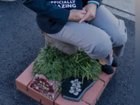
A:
(64, 3)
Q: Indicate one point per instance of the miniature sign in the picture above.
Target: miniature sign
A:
(46, 87)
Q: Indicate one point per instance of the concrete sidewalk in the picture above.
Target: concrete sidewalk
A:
(123, 8)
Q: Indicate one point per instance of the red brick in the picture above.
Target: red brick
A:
(94, 92)
(44, 99)
(61, 101)
(34, 93)
(27, 93)
(105, 77)
(24, 79)
(93, 103)
(114, 72)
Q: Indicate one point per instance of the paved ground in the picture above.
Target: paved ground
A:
(124, 5)
(123, 8)
(21, 40)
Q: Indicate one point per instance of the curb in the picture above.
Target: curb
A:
(89, 98)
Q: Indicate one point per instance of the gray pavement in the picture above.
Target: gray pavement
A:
(125, 5)
(123, 8)
(20, 42)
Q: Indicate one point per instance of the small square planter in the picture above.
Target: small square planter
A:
(89, 98)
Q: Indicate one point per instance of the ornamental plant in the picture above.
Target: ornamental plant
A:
(56, 65)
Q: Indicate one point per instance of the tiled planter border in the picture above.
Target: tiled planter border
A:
(90, 97)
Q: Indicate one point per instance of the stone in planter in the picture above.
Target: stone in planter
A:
(64, 47)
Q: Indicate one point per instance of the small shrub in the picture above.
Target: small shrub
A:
(56, 65)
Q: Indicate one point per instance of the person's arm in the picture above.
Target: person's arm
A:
(97, 2)
(90, 7)
(56, 13)
(46, 8)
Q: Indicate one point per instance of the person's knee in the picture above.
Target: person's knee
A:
(101, 50)
(104, 49)
(119, 40)
(121, 37)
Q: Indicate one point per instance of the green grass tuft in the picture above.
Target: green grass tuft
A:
(56, 65)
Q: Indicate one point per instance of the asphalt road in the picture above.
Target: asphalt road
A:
(20, 42)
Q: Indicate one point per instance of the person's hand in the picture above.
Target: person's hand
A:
(90, 14)
(76, 15)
